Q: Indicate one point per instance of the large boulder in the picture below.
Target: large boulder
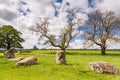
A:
(60, 57)
(9, 53)
(103, 67)
(27, 61)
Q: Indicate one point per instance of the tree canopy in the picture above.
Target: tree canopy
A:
(10, 37)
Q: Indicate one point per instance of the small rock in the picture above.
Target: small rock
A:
(9, 53)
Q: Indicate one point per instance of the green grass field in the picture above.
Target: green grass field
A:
(47, 69)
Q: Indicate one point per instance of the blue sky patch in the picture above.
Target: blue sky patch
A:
(21, 11)
(28, 10)
(60, 1)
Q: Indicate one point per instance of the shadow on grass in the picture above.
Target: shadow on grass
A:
(26, 51)
(1, 56)
(26, 54)
(84, 72)
(4, 62)
(68, 53)
(67, 64)
(112, 54)
(23, 66)
(93, 54)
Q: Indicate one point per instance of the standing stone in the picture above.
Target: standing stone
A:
(27, 61)
(103, 67)
(9, 53)
(60, 57)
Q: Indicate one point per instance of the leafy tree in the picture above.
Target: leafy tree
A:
(101, 27)
(10, 37)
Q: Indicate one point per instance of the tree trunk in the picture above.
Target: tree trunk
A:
(63, 50)
(103, 50)
(8, 46)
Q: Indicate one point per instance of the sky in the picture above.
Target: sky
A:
(22, 14)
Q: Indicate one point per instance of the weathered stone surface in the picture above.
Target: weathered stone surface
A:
(9, 53)
(27, 61)
(15, 59)
(103, 67)
(60, 57)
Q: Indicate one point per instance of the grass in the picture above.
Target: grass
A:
(46, 69)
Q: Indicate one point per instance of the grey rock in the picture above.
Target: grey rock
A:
(9, 53)
(60, 57)
(103, 67)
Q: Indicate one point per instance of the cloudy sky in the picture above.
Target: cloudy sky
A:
(21, 14)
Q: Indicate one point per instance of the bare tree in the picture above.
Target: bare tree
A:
(102, 27)
(66, 34)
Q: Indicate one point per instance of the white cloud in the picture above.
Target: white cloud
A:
(78, 4)
(113, 44)
(31, 40)
(77, 44)
(9, 14)
(109, 5)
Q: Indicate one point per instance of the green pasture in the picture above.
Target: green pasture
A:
(47, 69)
